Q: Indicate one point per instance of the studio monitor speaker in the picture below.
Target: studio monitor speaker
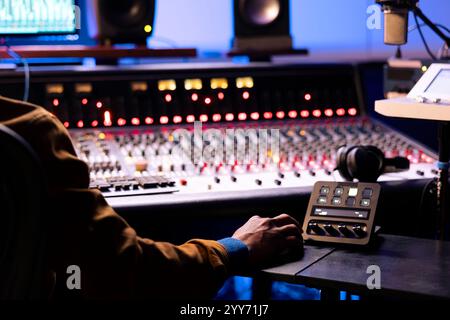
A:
(121, 21)
(261, 25)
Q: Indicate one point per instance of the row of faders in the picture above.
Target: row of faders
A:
(234, 157)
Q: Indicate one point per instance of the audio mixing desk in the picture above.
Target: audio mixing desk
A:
(268, 132)
(143, 163)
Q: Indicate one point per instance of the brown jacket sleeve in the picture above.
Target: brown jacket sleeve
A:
(85, 231)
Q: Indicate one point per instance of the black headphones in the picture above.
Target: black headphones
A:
(366, 163)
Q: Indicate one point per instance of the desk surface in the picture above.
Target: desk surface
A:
(410, 267)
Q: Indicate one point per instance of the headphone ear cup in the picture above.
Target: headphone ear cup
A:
(341, 161)
(365, 164)
(377, 152)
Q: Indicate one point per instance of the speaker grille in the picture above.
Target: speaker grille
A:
(125, 14)
(260, 12)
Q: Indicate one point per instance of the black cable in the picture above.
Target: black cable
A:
(433, 57)
(26, 69)
(398, 53)
(425, 25)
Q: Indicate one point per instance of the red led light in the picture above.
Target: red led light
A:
(308, 97)
(352, 112)
(177, 119)
(304, 113)
(317, 113)
(216, 117)
(267, 115)
(56, 102)
(254, 115)
(135, 121)
(194, 97)
(190, 118)
(168, 98)
(292, 114)
(208, 101)
(66, 124)
(340, 112)
(245, 95)
(221, 95)
(94, 123)
(99, 105)
(328, 112)
(164, 120)
(80, 124)
(84, 101)
(148, 120)
(107, 119)
(121, 122)
(203, 118)
(242, 116)
(229, 117)
(280, 114)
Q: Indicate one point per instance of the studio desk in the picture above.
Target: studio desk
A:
(410, 268)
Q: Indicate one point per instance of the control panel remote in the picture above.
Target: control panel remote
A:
(341, 212)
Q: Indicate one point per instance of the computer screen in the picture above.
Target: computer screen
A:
(34, 17)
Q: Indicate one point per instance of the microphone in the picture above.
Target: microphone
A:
(396, 20)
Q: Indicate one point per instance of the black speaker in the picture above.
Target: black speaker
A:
(261, 25)
(116, 21)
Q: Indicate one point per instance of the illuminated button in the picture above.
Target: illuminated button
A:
(193, 84)
(219, 83)
(336, 201)
(338, 191)
(365, 203)
(322, 200)
(352, 192)
(324, 191)
(350, 201)
(367, 193)
(167, 85)
(244, 82)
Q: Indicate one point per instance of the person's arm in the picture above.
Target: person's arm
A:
(115, 262)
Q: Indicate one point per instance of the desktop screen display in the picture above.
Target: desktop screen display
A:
(34, 17)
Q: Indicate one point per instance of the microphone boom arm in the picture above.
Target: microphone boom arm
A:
(430, 24)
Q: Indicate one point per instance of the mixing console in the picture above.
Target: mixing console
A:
(156, 160)
(266, 129)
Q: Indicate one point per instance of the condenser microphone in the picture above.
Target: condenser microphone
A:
(396, 20)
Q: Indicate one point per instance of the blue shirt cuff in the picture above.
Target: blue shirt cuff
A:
(237, 253)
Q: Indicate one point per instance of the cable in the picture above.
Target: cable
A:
(443, 51)
(433, 57)
(398, 53)
(412, 28)
(171, 43)
(26, 69)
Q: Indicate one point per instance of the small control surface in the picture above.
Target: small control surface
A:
(341, 212)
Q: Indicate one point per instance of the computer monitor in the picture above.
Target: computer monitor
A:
(36, 17)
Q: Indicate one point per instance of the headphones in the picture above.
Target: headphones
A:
(366, 163)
